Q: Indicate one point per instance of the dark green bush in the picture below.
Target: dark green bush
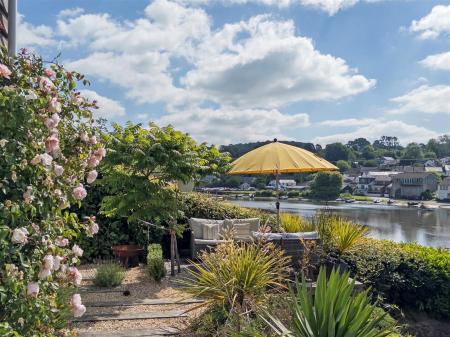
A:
(293, 194)
(265, 193)
(155, 262)
(406, 274)
(109, 275)
(198, 205)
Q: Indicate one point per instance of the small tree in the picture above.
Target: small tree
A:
(142, 166)
(343, 165)
(326, 185)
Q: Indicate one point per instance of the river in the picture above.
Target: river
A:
(401, 224)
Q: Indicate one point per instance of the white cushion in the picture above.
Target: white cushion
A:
(196, 225)
(267, 236)
(211, 231)
(301, 235)
(208, 242)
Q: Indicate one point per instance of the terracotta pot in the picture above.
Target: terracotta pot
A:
(128, 255)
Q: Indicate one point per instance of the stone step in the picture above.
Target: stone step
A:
(131, 333)
(145, 301)
(131, 316)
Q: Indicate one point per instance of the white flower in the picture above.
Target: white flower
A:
(57, 262)
(58, 170)
(84, 137)
(77, 251)
(48, 262)
(14, 176)
(44, 274)
(92, 229)
(33, 289)
(61, 241)
(45, 84)
(91, 176)
(3, 142)
(27, 195)
(78, 309)
(31, 95)
(19, 236)
(74, 276)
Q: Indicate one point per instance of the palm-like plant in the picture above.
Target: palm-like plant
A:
(238, 276)
(333, 311)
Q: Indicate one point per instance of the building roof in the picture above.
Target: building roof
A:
(407, 175)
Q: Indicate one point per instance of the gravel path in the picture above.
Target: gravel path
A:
(140, 286)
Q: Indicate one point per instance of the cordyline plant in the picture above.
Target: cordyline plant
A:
(49, 148)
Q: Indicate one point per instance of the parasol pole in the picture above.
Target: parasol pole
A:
(277, 204)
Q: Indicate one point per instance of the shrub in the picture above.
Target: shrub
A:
(292, 223)
(109, 275)
(238, 276)
(49, 146)
(339, 234)
(406, 274)
(293, 194)
(333, 310)
(155, 262)
(326, 185)
(265, 193)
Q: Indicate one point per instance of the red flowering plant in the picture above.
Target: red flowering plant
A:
(49, 147)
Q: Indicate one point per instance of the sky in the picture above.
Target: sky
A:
(229, 71)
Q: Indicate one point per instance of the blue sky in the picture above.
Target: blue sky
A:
(245, 70)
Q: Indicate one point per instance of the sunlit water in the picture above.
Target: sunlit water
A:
(399, 224)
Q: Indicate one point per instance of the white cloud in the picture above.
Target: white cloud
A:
(437, 61)
(425, 99)
(227, 125)
(350, 122)
(406, 133)
(437, 22)
(329, 6)
(70, 12)
(29, 35)
(107, 107)
(269, 67)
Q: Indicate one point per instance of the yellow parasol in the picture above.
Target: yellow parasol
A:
(276, 158)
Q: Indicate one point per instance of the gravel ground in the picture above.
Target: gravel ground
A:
(140, 286)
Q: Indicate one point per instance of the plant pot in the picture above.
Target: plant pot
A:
(337, 264)
(128, 255)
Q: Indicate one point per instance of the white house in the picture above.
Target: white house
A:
(284, 183)
(443, 191)
(376, 182)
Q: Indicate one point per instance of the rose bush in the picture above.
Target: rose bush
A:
(49, 146)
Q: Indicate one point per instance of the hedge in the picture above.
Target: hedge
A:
(406, 274)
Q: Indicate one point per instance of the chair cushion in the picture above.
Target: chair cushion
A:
(267, 236)
(211, 231)
(301, 235)
(207, 242)
(196, 225)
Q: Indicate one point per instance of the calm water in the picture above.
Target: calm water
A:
(399, 224)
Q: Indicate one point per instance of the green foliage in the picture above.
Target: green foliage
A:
(292, 223)
(337, 151)
(293, 194)
(413, 151)
(265, 193)
(334, 310)
(155, 262)
(326, 186)
(409, 275)
(343, 165)
(109, 275)
(199, 205)
(426, 195)
(338, 234)
(238, 276)
(48, 141)
(143, 162)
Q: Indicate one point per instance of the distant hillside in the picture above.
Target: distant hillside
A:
(237, 150)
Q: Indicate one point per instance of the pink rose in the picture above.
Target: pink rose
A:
(84, 137)
(57, 262)
(44, 274)
(79, 193)
(74, 276)
(92, 229)
(33, 289)
(48, 262)
(91, 176)
(77, 251)
(77, 308)
(4, 71)
(31, 95)
(49, 72)
(61, 241)
(58, 170)
(27, 195)
(93, 140)
(54, 105)
(20, 236)
(52, 122)
(45, 84)
(52, 144)
(93, 161)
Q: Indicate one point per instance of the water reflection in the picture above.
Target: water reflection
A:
(386, 222)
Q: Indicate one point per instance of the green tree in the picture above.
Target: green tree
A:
(368, 152)
(358, 144)
(343, 165)
(413, 151)
(337, 151)
(326, 185)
